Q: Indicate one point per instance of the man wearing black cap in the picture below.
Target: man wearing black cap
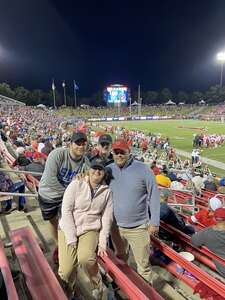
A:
(62, 165)
(104, 150)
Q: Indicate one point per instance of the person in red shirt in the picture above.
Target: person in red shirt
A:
(154, 168)
(206, 216)
(144, 145)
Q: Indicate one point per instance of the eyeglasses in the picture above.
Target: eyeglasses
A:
(119, 151)
(81, 143)
(104, 144)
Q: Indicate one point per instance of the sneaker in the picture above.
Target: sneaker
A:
(10, 208)
(55, 256)
(23, 208)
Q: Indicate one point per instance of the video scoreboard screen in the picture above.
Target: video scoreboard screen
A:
(116, 94)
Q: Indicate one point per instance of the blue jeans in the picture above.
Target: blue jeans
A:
(17, 187)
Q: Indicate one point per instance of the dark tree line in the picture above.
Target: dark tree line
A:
(213, 95)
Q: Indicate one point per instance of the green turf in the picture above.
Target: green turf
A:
(181, 138)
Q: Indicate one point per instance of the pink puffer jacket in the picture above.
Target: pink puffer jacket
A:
(82, 213)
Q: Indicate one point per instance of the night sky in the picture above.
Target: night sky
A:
(155, 43)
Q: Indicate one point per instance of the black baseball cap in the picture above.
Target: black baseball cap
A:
(105, 138)
(77, 136)
(98, 163)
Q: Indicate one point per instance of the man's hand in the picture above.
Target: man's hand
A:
(153, 229)
(102, 251)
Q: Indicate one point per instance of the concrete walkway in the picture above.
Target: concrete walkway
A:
(208, 161)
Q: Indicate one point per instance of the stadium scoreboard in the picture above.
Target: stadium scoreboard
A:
(116, 93)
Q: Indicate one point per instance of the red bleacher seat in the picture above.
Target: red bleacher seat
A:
(7, 276)
(39, 277)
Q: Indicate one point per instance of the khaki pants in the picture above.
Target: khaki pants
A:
(138, 239)
(84, 255)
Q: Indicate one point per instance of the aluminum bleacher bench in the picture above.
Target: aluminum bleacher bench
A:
(7, 276)
(39, 277)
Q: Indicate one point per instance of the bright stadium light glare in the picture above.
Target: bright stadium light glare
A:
(221, 58)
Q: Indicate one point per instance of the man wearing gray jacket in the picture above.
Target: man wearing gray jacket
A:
(135, 192)
(62, 165)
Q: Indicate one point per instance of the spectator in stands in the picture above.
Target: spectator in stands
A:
(214, 238)
(62, 165)
(85, 223)
(21, 158)
(206, 216)
(134, 191)
(198, 182)
(104, 148)
(154, 168)
(11, 182)
(209, 184)
(37, 165)
(195, 156)
(48, 147)
(177, 184)
(169, 216)
(163, 179)
(222, 181)
(172, 175)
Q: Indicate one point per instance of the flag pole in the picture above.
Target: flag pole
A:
(139, 100)
(64, 91)
(75, 94)
(53, 93)
(130, 107)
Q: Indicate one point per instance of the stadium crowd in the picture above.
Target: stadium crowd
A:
(84, 174)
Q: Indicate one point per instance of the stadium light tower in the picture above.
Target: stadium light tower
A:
(221, 58)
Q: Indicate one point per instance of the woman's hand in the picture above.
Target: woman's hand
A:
(102, 251)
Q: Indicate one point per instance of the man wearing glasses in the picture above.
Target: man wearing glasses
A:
(134, 193)
(104, 150)
(62, 165)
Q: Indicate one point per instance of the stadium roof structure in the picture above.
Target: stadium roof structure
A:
(201, 102)
(9, 101)
(135, 103)
(170, 102)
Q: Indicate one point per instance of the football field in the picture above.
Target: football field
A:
(180, 133)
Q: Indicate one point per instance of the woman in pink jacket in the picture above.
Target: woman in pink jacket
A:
(84, 227)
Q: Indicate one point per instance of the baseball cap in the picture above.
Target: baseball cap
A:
(78, 136)
(121, 145)
(105, 138)
(219, 214)
(215, 203)
(98, 163)
(38, 155)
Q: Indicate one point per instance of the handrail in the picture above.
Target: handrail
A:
(20, 171)
(18, 194)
